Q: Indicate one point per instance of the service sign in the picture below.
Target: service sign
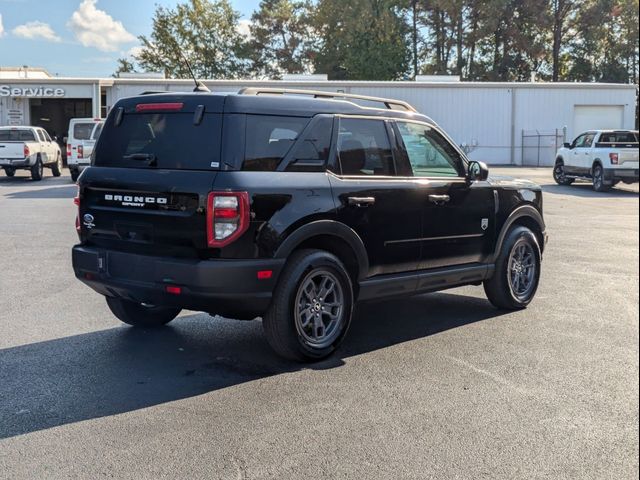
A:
(35, 91)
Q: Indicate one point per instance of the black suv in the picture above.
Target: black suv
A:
(293, 206)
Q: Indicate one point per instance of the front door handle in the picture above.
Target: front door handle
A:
(439, 199)
(361, 201)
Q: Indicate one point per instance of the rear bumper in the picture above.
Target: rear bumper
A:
(224, 287)
(621, 174)
(16, 163)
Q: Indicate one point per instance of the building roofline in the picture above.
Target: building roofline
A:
(108, 81)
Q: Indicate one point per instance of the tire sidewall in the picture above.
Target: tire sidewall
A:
(515, 237)
(314, 261)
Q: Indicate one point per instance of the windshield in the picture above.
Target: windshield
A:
(162, 140)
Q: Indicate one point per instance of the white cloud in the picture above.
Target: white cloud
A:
(96, 28)
(134, 51)
(36, 30)
(1, 26)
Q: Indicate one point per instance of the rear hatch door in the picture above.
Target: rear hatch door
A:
(153, 168)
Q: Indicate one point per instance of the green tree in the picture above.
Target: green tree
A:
(361, 39)
(204, 31)
(280, 34)
(124, 66)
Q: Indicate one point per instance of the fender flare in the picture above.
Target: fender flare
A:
(327, 227)
(520, 212)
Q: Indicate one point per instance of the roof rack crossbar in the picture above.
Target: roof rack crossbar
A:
(387, 102)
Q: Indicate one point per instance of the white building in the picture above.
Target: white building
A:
(499, 123)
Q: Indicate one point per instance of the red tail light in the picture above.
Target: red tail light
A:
(80, 151)
(68, 150)
(26, 151)
(227, 217)
(614, 158)
(76, 202)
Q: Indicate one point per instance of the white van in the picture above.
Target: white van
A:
(82, 136)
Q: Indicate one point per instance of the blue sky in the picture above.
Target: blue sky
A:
(80, 38)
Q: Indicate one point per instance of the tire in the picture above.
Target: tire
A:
(559, 176)
(56, 168)
(37, 171)
(300, 324)
(74, 175)
(9, 172)
(501, 289)
(140, 315)
(598, 179)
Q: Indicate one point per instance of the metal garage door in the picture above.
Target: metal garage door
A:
(597, 117)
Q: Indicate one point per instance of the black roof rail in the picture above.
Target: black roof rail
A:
(387, 102)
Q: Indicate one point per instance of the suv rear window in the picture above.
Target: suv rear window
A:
(17, 136)
(269, 139)
(160, 140)
(82, 131)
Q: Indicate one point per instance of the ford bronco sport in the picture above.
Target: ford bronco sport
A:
(293, 206)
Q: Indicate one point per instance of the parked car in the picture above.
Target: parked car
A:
(293, 209)
(82, 136)
(29, 148)
(604, 157)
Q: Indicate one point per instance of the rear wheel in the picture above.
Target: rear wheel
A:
(9, 172)
(37, 171)
(517, 271)
(56, 168)
(141, 314)
(311, 308)
(560, 176)
(598, 179)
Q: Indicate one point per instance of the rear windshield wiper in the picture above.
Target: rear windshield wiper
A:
(150, 158)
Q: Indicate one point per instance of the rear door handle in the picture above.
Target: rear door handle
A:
(361, 201)
(439, 199)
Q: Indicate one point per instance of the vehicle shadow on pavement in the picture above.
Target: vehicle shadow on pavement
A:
(585, 190)
(97, 374)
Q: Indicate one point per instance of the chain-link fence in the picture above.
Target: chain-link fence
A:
(539, 147)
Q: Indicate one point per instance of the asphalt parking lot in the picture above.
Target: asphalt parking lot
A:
(438, 386)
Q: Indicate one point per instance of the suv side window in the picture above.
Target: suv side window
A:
(311, 152)
(268, 139)
(364, 148)
(428, 152)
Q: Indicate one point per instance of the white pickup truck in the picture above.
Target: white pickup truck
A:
(29, 148)
(604, 157)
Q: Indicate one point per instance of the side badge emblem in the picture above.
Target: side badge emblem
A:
(485, 223)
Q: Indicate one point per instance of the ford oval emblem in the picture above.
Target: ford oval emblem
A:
(88, 218)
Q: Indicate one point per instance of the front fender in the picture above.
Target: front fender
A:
(531, 214)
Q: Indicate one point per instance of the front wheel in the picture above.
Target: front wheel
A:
(311, 308)
(560, 176)
(56, 168)
(517, 271)
(141, 314)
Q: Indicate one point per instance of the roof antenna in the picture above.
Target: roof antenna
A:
(200, 87)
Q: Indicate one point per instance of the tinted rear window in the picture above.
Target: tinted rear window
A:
(17, 136)
(268, 139)
(160, 140)
(618, 137)
(82, 131)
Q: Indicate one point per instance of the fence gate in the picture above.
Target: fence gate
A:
(539, 147)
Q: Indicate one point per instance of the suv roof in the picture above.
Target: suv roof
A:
(271, 104)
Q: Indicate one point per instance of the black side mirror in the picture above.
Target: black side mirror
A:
(566, 145)
(478, 171)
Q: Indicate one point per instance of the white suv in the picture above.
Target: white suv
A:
(83, 133)
(605, 157)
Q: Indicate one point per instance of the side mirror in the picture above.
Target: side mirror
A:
(478, 171)
(566, 145)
